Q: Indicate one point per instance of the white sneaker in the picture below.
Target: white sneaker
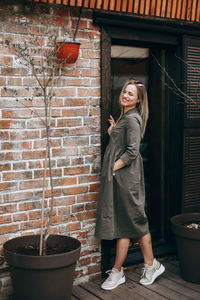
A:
(150, 273)
(114, 279)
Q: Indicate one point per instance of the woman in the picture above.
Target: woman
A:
(120, 210)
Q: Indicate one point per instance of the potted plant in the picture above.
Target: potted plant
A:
(186, 228)
(42, 266)
(68, 52)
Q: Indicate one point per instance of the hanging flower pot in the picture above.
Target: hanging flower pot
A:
(67, 52)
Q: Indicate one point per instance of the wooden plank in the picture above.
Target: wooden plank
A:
(169, 7)
(99, 4)
(128, 291)
(112, 5)
(82, 294)
(194, 9)
(172, 275)
(158, 7)
(189, 10)
(163, 8)
(142, 6)
(164, 287)
(92, 3)
(179, 288)
(198, 12)
(124, 5)
(147, 7)
(136, 6)
(183, 11)
(141, 290)
(94, 288)
(130, 6)
(105, 4)
(178, 9)
(173, 11)
(153, 8)
(118, 5)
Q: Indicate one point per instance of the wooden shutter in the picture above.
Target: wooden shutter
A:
(191, 153)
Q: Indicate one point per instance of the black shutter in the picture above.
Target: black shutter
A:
(191, 153)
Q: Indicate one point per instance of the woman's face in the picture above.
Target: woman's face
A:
(129, 97)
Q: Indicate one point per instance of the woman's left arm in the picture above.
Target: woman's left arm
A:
(133, 138)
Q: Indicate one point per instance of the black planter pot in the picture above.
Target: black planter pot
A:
(188, 246)
(42, 277)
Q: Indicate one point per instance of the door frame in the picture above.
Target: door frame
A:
(173, 117)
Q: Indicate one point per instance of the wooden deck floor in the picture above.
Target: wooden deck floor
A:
(168, 286)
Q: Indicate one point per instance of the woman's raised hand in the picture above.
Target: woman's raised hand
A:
(112, 124)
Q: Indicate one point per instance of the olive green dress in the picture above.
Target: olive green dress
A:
(121, 202)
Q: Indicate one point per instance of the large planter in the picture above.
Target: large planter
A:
(188, 246)
(47, 277)
(67, 52)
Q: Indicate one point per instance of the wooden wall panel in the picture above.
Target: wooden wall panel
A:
(188, 10)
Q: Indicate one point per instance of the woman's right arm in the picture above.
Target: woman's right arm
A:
(112, 124)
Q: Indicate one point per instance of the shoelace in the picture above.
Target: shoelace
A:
(144, 273)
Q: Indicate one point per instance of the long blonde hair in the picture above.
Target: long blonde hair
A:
(142, 107)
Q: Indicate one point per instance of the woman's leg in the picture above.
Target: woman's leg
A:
(121, 252)
(146, 247)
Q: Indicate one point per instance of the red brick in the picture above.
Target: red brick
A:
(5, 219)
(16, 145)
(37, 154)
(77, 208)
(19, 217)
(6, 124)
(14, 197)
(17, 175)
(74, 226)
(76, 102)
(69, 122)
(19, 166)
(85, 261)
(8, 186)
(2, 81)
(14, 71)
(76, 141)
(90, 54)
(6, 61)
(15, 92)
(40, 173)
(86, 215)
(9, 228)
(94, 269)
(31, 184)
(91, 73)
(5, 167)
(94, 187)
(75, 190)
(34, 164)
(87, 197)
(76, 170)
(65, 181)
(30, 225)
(82, 92)
(25, 135)
(29, 205)
(63, 92)
(4, 135)
(90, 206)
(88, 178)
(73, 112)
(64, 201)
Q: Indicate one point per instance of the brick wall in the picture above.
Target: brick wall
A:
(75, 137)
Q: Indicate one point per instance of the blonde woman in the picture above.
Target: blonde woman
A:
(120, 209)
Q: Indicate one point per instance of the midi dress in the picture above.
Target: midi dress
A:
(121, 201)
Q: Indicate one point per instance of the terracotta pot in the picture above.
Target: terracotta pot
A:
(67, 52)
(42, 277)
(188, 245)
